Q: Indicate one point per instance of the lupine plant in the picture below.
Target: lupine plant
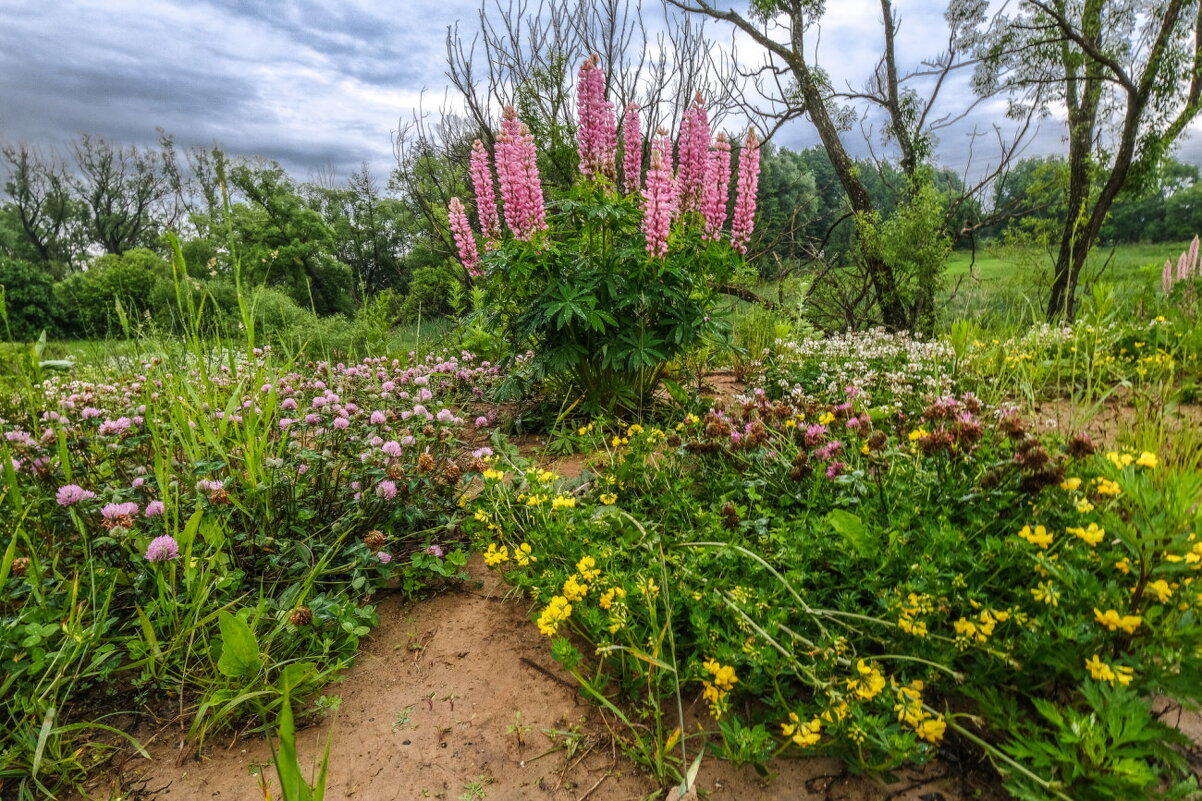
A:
(619, 275)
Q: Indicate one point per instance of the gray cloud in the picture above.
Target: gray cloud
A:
(320, 83)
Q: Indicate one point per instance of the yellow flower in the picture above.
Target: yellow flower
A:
(481, 516)
(649, 588)
(1112, 620)
(871, 683)
(1098, 669)
(494, 555)
(918, 434)
(535, 500)
(724, 675)
(546, 477)
(1160, 588)
(802, 734)
(556, 612)
(826, 419)
(1040, 536)
(1084, 506)
(1071, 484)
(562, 501)
(493, 475)
(1120, 460)
(790, 423)
(835, 713)
(609, 498)
(910, 626)
(573, 589)
(1101, 671)
(522, 554)
(1148, 460)
(1091, 535)
(634, 430)
(609, 596)
(1123, 566)
(1044, 592)
(587, 567)
(1108, 487)
(931, 729)
(616, 441)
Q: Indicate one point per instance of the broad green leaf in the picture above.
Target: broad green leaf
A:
(852, 529)
(239, 648)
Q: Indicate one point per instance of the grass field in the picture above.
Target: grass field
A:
(1000, 286)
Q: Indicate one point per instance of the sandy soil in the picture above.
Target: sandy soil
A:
(430, 708)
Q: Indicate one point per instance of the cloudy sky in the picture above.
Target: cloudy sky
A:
(320, 83)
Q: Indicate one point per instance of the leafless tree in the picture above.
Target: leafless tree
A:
(40, 196)
(124, 188)
(786, 83)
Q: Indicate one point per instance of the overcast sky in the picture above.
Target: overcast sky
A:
(323, 83)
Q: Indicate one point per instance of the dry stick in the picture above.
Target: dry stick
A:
(594, 787)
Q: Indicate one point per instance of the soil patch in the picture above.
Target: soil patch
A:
(432, 709)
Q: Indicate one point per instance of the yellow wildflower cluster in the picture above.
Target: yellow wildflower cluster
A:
(556, 612)
(1147, 459)
(909, 704)
(1101, 671)
(495, 556)
(1112, 620)
(1038, 536)
(1192, 557)
(573, 589)
(608, 597)
(915, 605)
(717, 689)
(1105, 486)
(826, 419)
(911, 712)
(562, 502)
(481, 516)
(493, 475)
(918, 434)
(1161, 589)
(982, 628)
(584, 430)
(1044, 592)
(609, 498)
(649, 588)
(587, 568)
(802, 734)
(1071, 484)
(932, 729)
(1091, 534)
(870, 681)
(523, 555)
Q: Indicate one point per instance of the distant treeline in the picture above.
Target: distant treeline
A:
(83, 249)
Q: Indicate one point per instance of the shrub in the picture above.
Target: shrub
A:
(29, 303)
(93, 302)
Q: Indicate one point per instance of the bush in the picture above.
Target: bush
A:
(94, 302)
(28, 301)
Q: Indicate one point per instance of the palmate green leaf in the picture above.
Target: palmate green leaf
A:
(239, 649)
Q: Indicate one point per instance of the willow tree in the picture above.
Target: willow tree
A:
(1128, 74)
